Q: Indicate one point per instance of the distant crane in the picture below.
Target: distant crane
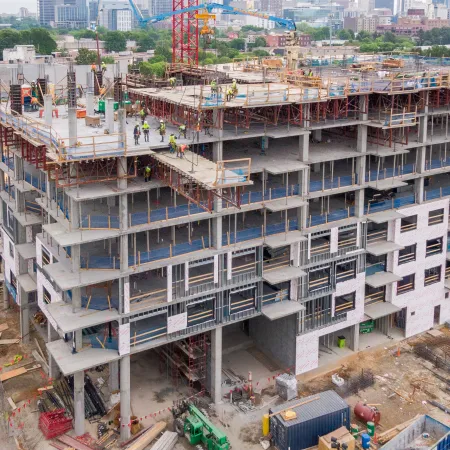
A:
(185, 28)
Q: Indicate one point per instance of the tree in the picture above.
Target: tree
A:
(108, 60)
(345, 35)
(260, 53)
(363, 35)
(86, 57)
(260, 42)
(156, 69)
(40, 38)
(115, 41)
(163, 49)
(8, 39)
(238, 44)
(247, 28)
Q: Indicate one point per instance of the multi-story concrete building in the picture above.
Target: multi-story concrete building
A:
(306, 212)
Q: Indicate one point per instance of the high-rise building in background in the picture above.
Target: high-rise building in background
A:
(46, 11)
(72, 14)
(116, 15)
(159, 6)
(93, 11)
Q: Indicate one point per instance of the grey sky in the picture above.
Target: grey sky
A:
(10, 7)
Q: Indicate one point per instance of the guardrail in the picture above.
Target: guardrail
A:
(333, 216)
(390, 204)
(331, 183)
(374, 175)
(375, 268)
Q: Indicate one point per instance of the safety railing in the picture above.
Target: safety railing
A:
(371, 208)
(437, 193)
(275, 297)
(104, 341)
(143, 300)
(8, 161)
(99, 302)
(375, 268)
(99, 222)
(404, 258)
(155, 331)
(403, 119)
(374, 175)
(374, 297)
(33, 207)
(432, 164)
(92, 146)
(35, 181)
(345, 275)
(331, 183)
(339, 214)
(376, 236)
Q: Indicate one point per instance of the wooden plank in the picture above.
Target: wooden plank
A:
(9, 341)
(3, 326)
(143, 441)
(71, 442)
(12, 374)
(15, 373)
(13, 405)
(47, 388)
(39, 349)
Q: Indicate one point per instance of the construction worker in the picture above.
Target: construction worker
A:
(181, 149)
(103, 67)
(147, 173)
(229, 93)
(172, 143)
(142, 115)
(162, 129)
(34, 103)
(310, 73)
(197, 129)
(182, 130)
(234, 87)
(172, 82)
(213, 88)
(136, 134)
(146, 130)
(93, 68)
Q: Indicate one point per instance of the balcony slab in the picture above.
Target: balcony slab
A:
(383, 247)
(380, 279)
(282, 309)
(381, 309)
(277, 276)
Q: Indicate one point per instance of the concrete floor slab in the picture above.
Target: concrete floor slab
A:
(277, 276)
(381, 309)
(69, 321)
(282, 309)
(380, 279)
(282, 240)
(383, 247)
(387, 183)
(87, 358)
(384, 216)
(285, 203)
(27, 251)
(27, 283)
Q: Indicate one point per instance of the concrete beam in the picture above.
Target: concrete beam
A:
(109, 115)
(78, 403)
(303, 147)
(125, 397)
(216, 365)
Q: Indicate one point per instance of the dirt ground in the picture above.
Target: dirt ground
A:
(403, 385)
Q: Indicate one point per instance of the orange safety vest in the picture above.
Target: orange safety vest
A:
(183, 148)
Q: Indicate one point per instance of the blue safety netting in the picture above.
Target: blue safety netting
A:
(390, 204)
(338, 214)
(330, 183)
(99, 302)
(35, 181)
(390, 172)
(98, 340)
(379, 267)
(8, 161)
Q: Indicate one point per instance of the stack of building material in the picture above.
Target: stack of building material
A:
(167, 441)
(54, 423)
(286, 386)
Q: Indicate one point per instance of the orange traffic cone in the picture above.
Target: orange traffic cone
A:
(375, 439)
(398, 352)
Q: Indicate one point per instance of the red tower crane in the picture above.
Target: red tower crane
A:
(184, 33)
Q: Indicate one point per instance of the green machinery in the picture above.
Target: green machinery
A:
(190, 422)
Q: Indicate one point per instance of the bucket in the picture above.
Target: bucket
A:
(371, 429)
(354, 429)
(365, 441)
(265, 425)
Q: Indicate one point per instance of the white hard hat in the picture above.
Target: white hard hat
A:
(161, 121)
(234, 80)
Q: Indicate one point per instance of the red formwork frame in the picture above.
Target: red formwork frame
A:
(184, 33)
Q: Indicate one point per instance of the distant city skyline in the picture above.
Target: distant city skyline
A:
(12, 8)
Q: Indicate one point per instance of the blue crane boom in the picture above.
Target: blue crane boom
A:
(285, 23)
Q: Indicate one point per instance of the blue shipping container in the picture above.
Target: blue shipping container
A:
(317, 418)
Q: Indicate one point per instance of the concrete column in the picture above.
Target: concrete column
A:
(20, 201)
(317, 135)
(423, 121)
(113, 376)
(216, 365)
(303, 147)
(5, 294)
(76, 294)
(217, 151)
(109, 115)
(18, 167)
(90, 103)
(24, 316)
(2, 180)
(78, 402)
(419, 189)
(354, 338)
(72, 127)
(48, 109)
(359, 203)
(52, 335)
(125, 397)
(74, 214)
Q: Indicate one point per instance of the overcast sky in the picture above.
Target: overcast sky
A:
(11, 7)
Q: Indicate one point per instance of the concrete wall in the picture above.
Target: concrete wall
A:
(421, 301)
(307, 345)
(276, 338)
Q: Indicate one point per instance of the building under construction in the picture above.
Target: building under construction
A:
(308, 215)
